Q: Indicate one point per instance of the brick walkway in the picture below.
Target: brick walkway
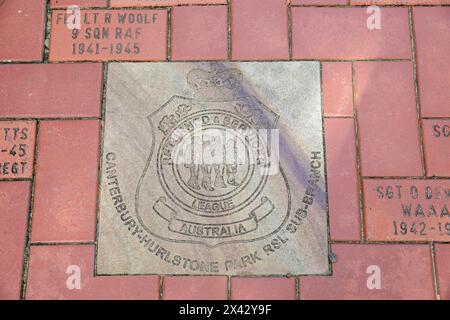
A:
(386, 99)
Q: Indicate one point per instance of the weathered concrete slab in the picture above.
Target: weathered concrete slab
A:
(213, 168)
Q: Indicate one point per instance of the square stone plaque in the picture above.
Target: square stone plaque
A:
(213, 168)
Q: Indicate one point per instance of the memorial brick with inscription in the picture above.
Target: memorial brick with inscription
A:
(17, 140)
(213, 168)
(105, 35)
(407, 209)
(436, 136)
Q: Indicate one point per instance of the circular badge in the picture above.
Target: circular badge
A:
(213, 163)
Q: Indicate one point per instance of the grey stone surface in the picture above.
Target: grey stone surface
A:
(160, 215)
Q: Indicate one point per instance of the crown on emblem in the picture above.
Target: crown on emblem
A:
(169, 121)
(217, 84)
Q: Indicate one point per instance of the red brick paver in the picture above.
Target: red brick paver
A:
(319, 2)
(442, 269)
(337, 89)
(405, 273)
(407, 210)
(51, 90)
(199, 33)
(432, 31)
(52, 272)
(399, 2)
(14, 206)
(66, 181)
(342, 33)
(195, 288)
(436, 135)
(343, 196)
(263, 289)
(22, 26)
(259, 30)
(80, 3)
(387, 115)
(138, 35)
(17, 140)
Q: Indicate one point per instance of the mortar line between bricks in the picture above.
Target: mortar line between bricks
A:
(325, 171)
(26, 254)
(81, 8)
(353, 60)
(277, 276)
(229, 44)
(48, 119)
(47, 32)
(169, 34)
(161, 288)
(5, 62)
(435, 118)
(228, 287)
(115, 9)
(433, 266)
(407, 178)
(387, 243)
(416, 91)
(358, 157)
(157, 275)
(100, 162)
(338, 117)
(280, 276)
(289, 26)
(108, 7)
(197, 275)
(15, 179)
(297, 288)
(74, 243)
(344, 6)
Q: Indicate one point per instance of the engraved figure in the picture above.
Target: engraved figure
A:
(193, 176)
(206, 181)
(231, 174)
(219, 181)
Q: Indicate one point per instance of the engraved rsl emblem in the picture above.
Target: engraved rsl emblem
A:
(215, 156)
